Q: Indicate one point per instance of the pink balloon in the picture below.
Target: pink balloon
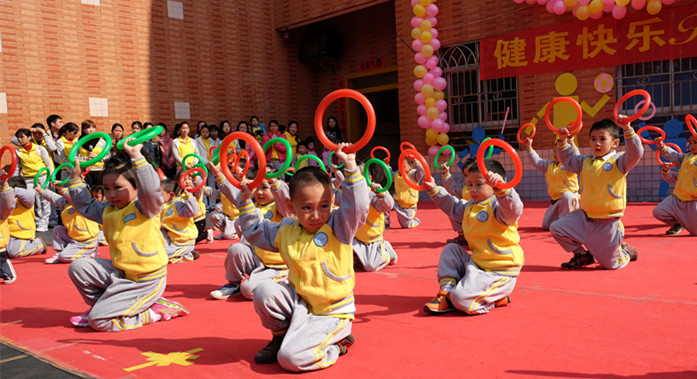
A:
(618, 12)
(638, 4)
(434, 32)
(550, 6)
(433, 150)
(432, 62)
(418, 83)
(542, 2)
(441, 105)
(419, 58)
(446, 127)
(435, 43)
(416, 22)
(559, 8)
(447, 152)
(414, 2)
(416, 45)
(596, 16)
(421, 110)
(439, 83)
(443, 116)
(437, 72)
(437, 125)
(667, 2)
(607, 7)
(419, 98)
(518, 1)
(428, 78)
(431, 10)
(433, 20)
(424, 122)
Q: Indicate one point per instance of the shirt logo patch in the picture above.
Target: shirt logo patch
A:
(129, 217)
(321, 239)
(482, 216)
(71, 211)
(607, 166)
(269, 216)
(170, 212)
(562, 167)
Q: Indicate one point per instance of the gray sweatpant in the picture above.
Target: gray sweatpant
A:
(373, 256)
(178, 252)
(117, 303)
(18, 248)
(567, 203)
(68, 249)
(42, 208)
(673, 210)
(221, 222)
(241, 261)
(406, 216)
(310, 341)
(476, 291)
(601, 236)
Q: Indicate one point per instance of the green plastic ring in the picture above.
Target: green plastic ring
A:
(384, 167)
(141, 136)
(289, 158)
(89, 137)
(329, 160)
(58, 169)
(38, 176)
(200, 161)
(312, 157)
(440, 151)
(202, 166)
(489, 152)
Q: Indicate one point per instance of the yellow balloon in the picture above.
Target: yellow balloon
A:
(443, 139)
(595, 6)
(427, 50)
(419, 10)
(420, 71)
(654, 7)
(426, 37)
(427, 90)
(431, 141)
(439, 95)
(570, 3)
(582, 12)
(424, 2)
(425, 26)
(432, 113)
(622, 3)
(416, 33)
(431, 134)
(430, 102)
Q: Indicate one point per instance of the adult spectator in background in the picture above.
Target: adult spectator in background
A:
(224, 129)
(151, 149)
(116, 134)
(90, 150)
(333, 131)
(292, 136)
(168, 163)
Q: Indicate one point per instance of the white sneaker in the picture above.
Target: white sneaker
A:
(54, 259)
(209, 238)
(42, 228)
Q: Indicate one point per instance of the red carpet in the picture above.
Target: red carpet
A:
(591, 323)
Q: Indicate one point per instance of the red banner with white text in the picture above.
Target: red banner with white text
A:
(639, 37)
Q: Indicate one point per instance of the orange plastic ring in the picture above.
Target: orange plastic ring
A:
(691, 122)
(386, 160)
(252, 141)
(576, 125)
(635, 116)
(322, 107)
(524, 127)
(655, 129)
(13, 165)
(509, 149)
(189, 172)
(658, 155)
(405, 174)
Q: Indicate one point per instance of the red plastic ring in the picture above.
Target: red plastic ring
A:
(658, 155)
(211, 150)
(13, 166)
(319, 114)
(386, 160)
(635, 116)
(525, 127)
(655, 129)
(691, 122)
(252, 141)
(405, 174)
(406, 145)
(509, 149)
(189, 172)
(576, 125)
(238, 159)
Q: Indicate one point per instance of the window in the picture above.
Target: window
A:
(472, 102)
(672, 85)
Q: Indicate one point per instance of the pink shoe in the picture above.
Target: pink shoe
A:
(169, 309)
(81, 320)
(94, 254)
(54, 259)
(209, 238)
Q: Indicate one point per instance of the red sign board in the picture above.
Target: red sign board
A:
(640, 37)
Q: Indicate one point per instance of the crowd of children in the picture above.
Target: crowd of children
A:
(278, 230)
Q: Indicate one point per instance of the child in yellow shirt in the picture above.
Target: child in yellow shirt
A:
(680, 208)
(177, 218)
(406, 197)
(7, 204)
(23, 240)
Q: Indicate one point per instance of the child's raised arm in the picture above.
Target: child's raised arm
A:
(451, 205)
(539, 163)
(449, 184)
(257, 231)
(669, 176)
(508, 207)
(634, 150)
(82, 199)
(25, 196)
(52, 197)
(279, 189)
(383, 202)
(670, 154)
(355, 202)
(567, 155)
(150, 199)
(7, 199)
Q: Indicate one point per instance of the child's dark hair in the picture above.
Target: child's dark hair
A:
(120, 164)
(52, 118)
(178, 127)
(491, 165)
(16, 182)
(468, 163)
(69, 127)
(251, 174)
(38, 125)
(307, 176)
(205, 126)
(302, 143)
(98, 189)
(23, 132)
(89, 145)
(116, 125)
(137, 123)
(213, 127)
(170, 185)
(376, 172)
(147, 125)
(608, 125)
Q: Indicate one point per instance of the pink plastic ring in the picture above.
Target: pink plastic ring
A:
(645, 118)
(635, 116)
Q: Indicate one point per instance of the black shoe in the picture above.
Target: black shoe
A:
(269, 354)
(459, 240)
(195, 254)
(675, 229)
(578, 261)
(7, 271)
(632, 252)
(345, 343)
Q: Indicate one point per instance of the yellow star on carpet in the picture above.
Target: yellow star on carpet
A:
(177, 357)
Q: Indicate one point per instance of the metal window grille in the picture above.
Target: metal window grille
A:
(472, 102)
